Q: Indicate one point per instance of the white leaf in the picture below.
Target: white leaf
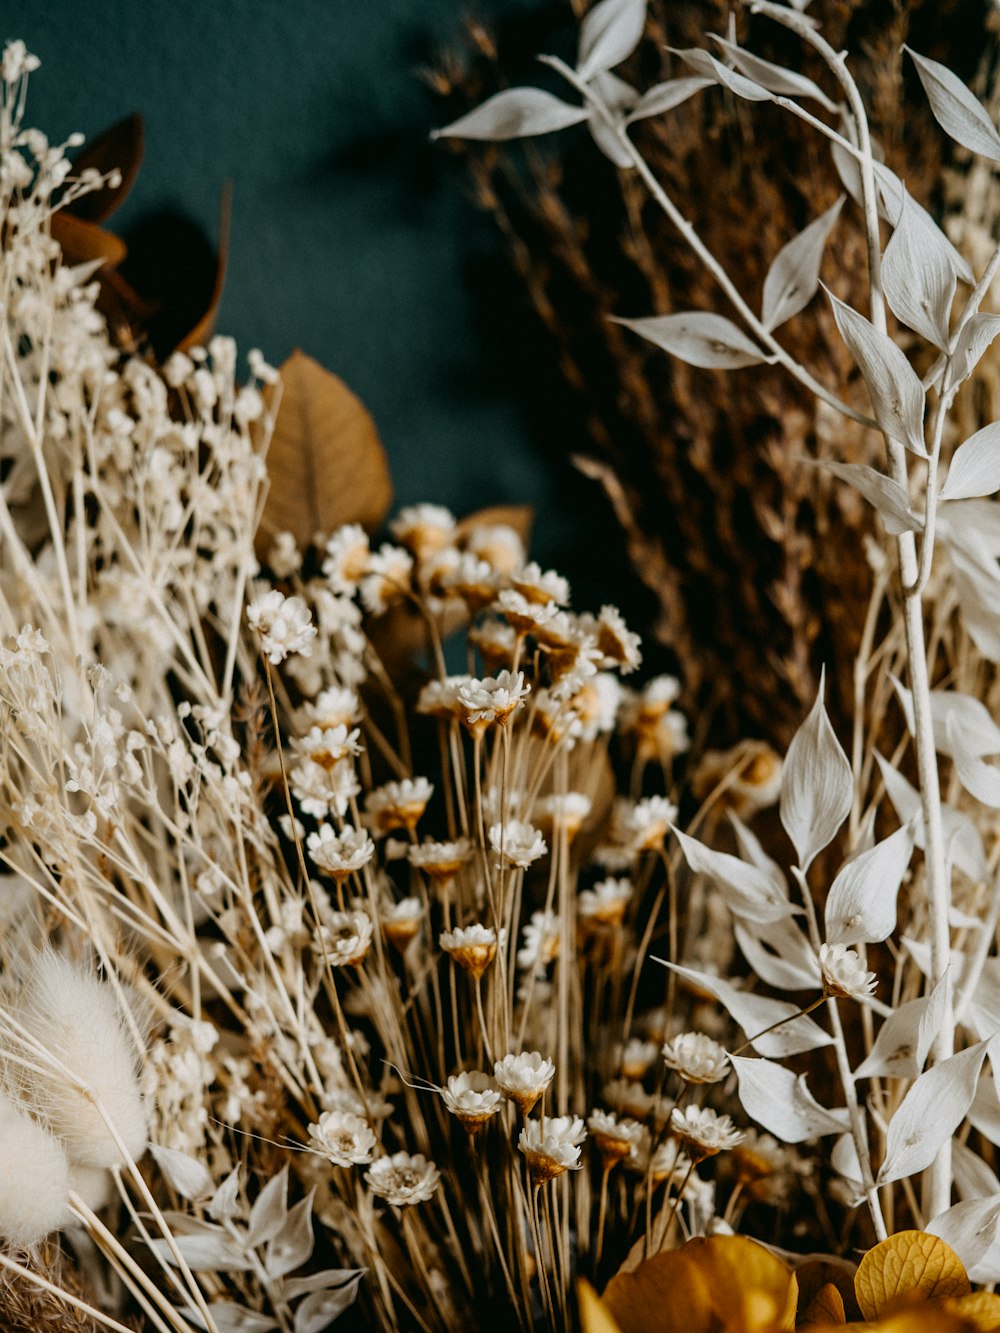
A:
(705, 64)
(896, 392)
(609, 34)
(188, 1176)
(319, 1310)
(903, 1040)
(665, 96)
(224, 1205)
(970, 1228)
(516, 113)
(886, 495)
(747, 891)
(974, 337)
(232, 1318)
(322, 1281)
(956, 110)
(861, 907)
(793, 278)
(816, 785)
(777, 1099)
(973, 1178)
(984, 1113)
(205, 1253)
(975, 467)
(957, 719)
(776, 79)
(929, 1114)
(979, 779)
(754, 1013)
(792, 964)
(619, 97)
(752, 851)
(844, 1160)
(293, 1244)
(962, 838)
(918, 278)
(699, 338)
(267, 1216)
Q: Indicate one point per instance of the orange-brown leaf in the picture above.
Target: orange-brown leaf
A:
(119, 148)
(710, 1283)
(910, 1263)
(82, 241)
(202, 331)
(981, 1309)
(519, 517)
(826, 1307)
(325, 462)
(594, 1314)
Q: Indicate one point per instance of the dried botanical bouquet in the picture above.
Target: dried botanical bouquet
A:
(371, 950)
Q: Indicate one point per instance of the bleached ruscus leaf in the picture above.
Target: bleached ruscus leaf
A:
(699, 338)
(970, 1229)
(665, 96)
(906, 1036)
(956, 110)
(793, 278)
(930, 1113)
(816, 785)
(918, 278)
(705, 64)
(974, 338)
(747, 890)
(896, 392)
(609, 34)
(975, 466)
(516, 113)
(325, 462)
(775, 78)
(888, 497)
(780, 1101)
(861, 906)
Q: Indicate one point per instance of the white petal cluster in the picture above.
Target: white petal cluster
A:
(398, 804)
(494, 698)
(605, 902)
(283, 624)
(523, 1078)
(346, 1139)
(473, 1097)
(472, 947)
(403, 1179)
(517, 842)
(844, 973)
(347, 937)
(340, 854)
(696, 1057)
(552, 1145)
(702, 1132)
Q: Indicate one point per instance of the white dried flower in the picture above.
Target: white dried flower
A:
(440, 698)
(616, 641)
(493, 699)
(34, 1178)
(398, 804)
(321, 791)
(541, 941)
(283, 624)
(551, 1146)
(540, 587)
(347, 557)
(567, 810)
(472, 947)
(346, 1139)
(613, 1138)
(423, 528)
(76, 1018)
(637, 1057)
(844, 974)
(340, 854)
(284, 556)
(401, 921)
(440, 860)
(347, 937)
(473, 1097)
(498, 544)
(523, 1078)
(696, 1057)
(388, 581)
(642, 825)
(517, 843)
(333, 708)
(403, 1179)
(702, 1132)
(605, 902)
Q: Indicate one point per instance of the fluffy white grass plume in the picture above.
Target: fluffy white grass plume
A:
(77, 1020)
(34, 1178)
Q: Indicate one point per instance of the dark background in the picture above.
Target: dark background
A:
(353, 237)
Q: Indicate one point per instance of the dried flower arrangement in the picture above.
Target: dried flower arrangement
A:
(349, 976)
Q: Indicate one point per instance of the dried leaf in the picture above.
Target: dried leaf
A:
(594, 1314)
(705, 64)
(974, 338)
(120, 149)
(325, 462)
(780, 1102)
(709, 1283)
(775, 78)
(748, 892)
(826, 1307)
(700, 339)
(905, 1037)
(930, 1113)
(84, 242)
(918, 278)
(816, 785)
(793, 278)
(189, 1176)
(861, 906)
(979, 1309)
(202, 331)
(975, 466)
(293, 1244)
(270, 1209)
(609, 34)
(665, 96)
(956, 110)
(516, 113)
(910, 1263)
(779, 955)
(886, 495)
(896, 392)
(318, 1311)
(970, 1229)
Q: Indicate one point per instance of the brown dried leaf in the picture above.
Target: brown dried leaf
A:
(980, 1309)
(519, 517)
(82, 241)
(594, 1315)
(910, 1263)
(826, 1307)
(202, 331)
(118, 148)
(325, 462)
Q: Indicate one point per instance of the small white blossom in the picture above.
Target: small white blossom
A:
(347, 558)
(517, 843)
(284, 625)
(696, 1057)
(340, 854)
(551, 1146)
(472, 947)
(493, 699)
(844, 974)
(398, 804)
(403, 1179)
(347, 937)
(605, 902)
(523, 1078)
(346, 1139)
(614, 1138)
(473, 1097)
(702, 1132)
